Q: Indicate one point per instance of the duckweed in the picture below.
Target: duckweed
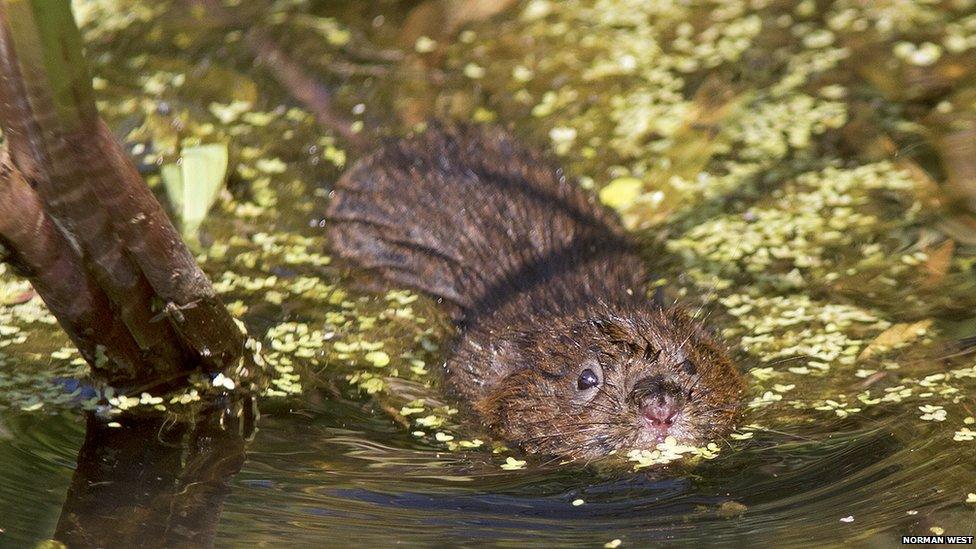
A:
(670, 450)
(512, 464)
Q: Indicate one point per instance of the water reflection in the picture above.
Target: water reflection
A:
(149, 480)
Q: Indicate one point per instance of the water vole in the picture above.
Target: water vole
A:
(560, 351)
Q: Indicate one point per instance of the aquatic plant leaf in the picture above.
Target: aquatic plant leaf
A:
(193, 184)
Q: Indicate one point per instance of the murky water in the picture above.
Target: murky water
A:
(854, 433)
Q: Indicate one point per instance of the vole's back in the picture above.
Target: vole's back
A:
(469, 216)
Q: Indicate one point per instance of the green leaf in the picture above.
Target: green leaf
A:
(193, 184)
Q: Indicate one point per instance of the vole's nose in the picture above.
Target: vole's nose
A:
(660, 412)
(659, 401)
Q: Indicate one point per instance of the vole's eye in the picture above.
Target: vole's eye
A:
(689, 367)
(587, 380)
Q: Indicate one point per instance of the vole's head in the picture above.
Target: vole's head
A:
(596, 385)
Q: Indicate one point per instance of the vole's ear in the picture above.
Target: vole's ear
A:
(612, 329)
(617, 334)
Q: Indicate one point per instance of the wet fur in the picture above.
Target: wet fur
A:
(540, 280)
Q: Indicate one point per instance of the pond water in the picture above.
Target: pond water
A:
(818, 206)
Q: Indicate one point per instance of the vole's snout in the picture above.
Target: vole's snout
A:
(660, 413)
(659, 401)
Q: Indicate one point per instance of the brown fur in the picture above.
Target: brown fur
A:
(542, 282)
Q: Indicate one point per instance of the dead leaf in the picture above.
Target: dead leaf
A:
(441, 19)
(894, 337)
(938, 263)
